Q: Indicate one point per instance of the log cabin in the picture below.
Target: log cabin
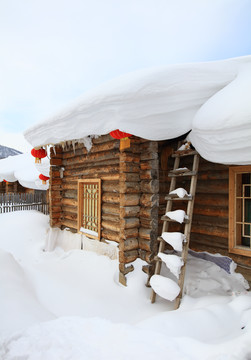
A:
(130, 186)
(118, 194)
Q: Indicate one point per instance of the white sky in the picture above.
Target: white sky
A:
(54, 50)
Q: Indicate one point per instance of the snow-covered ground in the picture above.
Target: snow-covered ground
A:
(69, 305)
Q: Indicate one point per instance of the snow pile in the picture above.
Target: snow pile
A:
(173, 262)
(22, 168)
(177, 215)
(175, 239)
(69, 305)
(164, 103)
(180, 192)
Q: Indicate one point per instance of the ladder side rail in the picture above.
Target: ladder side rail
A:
(187, 230)
(165, 226)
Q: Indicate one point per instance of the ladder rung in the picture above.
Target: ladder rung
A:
(187, 173)
(166, 218)
(181, 153)
(176, 198)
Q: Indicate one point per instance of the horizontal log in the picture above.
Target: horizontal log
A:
(129, 199)
(126, 257)
(71, 202)
(149, 200)
(69, 216)
(111, 225)
(110, 186)
(110, 209)
(210, 230)
(128, 233)
(129, 177)
(213, 175)
(126, 167)
(210, 211)
(144, 244)
(147, 234)
(129, 244)
(129, 187)
(129, 157)
(129, 223)
(149, 223)
(106, 146)
(93, 172)
(110, 235)
(91, 158)
(110, 197)
(129, 211)
(151, 186)
(212, 241)
(214, 199)
(69, 223)
(148, 212)
(212, 187)
(68, 208)
(145, 255)
(111, 217)
(102, 139)
(149, 164)
(210, 220)
(56, 161)
(149, 174)
(69, 185)
(70, 194)
(55, 209)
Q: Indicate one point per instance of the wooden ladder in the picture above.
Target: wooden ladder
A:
(174, 174)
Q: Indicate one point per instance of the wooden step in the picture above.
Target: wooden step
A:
(176, 198)
(181, 153)
(166, 218)
(180, 174)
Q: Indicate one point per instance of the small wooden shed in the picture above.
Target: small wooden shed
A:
(109, 194)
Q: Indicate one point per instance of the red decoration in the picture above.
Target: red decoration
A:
(38, 154)
(117, 134)
(123, 137)
(43, 178)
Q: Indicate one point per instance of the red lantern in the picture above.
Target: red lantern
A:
(43, 178)
(38, 154)
(123, 137)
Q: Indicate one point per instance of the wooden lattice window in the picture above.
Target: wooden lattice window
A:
(240, 210)
(89, 207)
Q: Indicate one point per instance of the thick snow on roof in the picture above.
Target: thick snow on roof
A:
(22, 168)
(210, 98)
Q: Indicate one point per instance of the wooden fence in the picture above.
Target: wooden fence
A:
(22, 201)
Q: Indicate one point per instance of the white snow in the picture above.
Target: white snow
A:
(22, 168)
(175, 239)
(180, 192)
(88, 232)
(69, 305)
(211, 99)
(173, 262)
(177, 215)
(165, 287)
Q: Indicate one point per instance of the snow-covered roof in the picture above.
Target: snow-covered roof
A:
(22, 168)
(211, 99)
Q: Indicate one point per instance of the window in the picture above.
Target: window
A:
(240, 210)
(89, 207)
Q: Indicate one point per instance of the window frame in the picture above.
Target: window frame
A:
(81, 182)
(233, 247)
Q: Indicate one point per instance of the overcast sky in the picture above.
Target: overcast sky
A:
(52, 51)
